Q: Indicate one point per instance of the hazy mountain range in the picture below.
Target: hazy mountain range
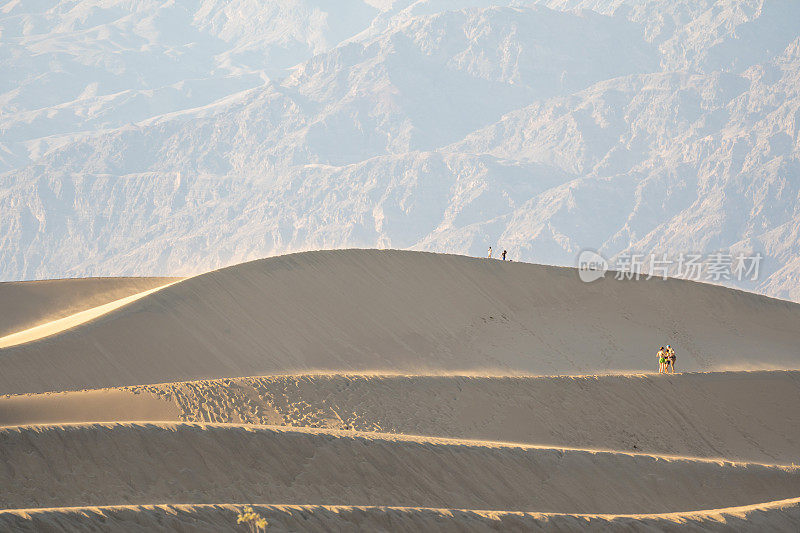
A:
(144, 137)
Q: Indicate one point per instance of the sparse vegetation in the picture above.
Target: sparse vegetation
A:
(255, 522)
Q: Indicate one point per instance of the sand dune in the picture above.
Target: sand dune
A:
(62, 466)
(386, 390)
(26, 304)
(55, 327)
(782, 515)
(701, 415)
(103, 405)
(369, 310)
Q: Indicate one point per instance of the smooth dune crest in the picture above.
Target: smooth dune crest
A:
(25, 304)
(713, 415)
(783, 515)
(56, 326)
(209, 463)
(396, 311)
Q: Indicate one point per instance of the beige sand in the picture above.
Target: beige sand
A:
(25, 304)
(702, 415)
(782, 515)
(358, 310)
(53, 327)
(108, 405)
(63, 466)
(362, 350)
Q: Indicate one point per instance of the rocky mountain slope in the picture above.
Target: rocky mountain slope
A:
(148, 138)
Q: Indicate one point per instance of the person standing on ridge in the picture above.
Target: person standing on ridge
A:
(504, 255)
(662, 360)
(670, 359)
(490, 252)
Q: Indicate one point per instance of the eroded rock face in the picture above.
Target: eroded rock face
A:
(149, 139)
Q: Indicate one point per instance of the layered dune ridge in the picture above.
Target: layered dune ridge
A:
(386, 390)
(26, 304)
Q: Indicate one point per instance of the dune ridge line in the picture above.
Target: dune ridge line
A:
(487, 512)
(408, 312)
(389, 437)
(90, 464)
(54, 327)
(711, 415)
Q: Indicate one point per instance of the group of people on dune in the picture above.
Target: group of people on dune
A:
(503, 254)
(666, 360)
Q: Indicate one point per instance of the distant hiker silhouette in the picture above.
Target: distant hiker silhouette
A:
(504, 255)
(490, 252)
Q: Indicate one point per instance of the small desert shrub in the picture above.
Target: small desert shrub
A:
(255, 522)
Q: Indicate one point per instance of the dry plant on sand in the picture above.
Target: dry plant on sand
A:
(255, 522)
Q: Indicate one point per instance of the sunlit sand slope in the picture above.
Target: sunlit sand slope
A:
(93, 464)
(57, 326)
(102, 405)
(24, 304)
(773, 516)
(735, 415)
(359, 310)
